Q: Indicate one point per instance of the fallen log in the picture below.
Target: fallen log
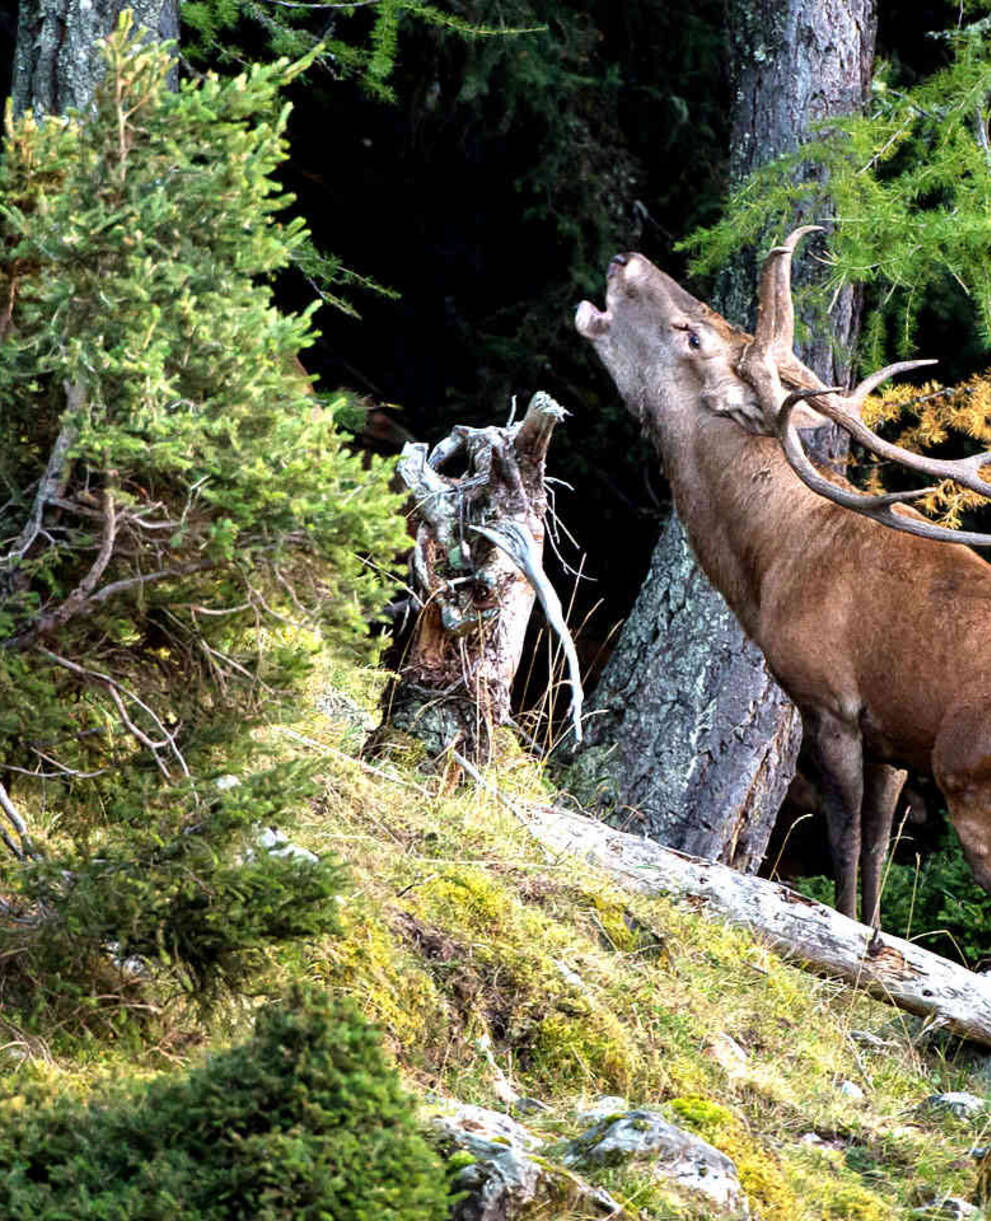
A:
(799, 929)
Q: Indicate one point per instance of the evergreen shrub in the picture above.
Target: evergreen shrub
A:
(304, 1120)
(182, 529)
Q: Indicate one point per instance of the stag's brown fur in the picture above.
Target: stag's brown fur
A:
(881, 638)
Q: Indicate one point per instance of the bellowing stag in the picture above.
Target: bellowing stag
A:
(881, 637)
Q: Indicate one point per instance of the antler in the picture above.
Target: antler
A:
(771, 356)
(772, 351)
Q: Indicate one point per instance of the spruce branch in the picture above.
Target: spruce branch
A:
(81, 594)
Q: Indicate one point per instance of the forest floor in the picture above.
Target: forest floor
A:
(495, 970)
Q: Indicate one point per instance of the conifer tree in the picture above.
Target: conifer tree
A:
(183, 525)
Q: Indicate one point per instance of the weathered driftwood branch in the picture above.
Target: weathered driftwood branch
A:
(521, 547)
(475, 568)
(801, 930)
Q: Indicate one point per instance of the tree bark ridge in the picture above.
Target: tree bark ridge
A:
(57, 62)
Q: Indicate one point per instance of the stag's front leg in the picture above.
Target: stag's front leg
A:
(882, 787)
(837, 754)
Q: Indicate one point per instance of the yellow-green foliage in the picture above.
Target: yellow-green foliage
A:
(928, 416)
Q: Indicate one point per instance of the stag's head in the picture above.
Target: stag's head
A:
(673, 358)
(667, 352)
(671, 354)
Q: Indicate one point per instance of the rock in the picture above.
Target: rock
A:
(338, 706)
(277, 843)
(850, 1089)
(504, 1179)
(677, 1156)
(958, 1103)
(948, 1208)
(530, 1106)
(499, 1183)
(467, 1125)
(605, 1107)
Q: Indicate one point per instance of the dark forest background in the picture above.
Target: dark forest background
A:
(485, 188)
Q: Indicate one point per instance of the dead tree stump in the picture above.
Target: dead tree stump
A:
(472, 600)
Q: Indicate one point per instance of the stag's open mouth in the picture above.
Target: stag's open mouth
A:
(591, 322)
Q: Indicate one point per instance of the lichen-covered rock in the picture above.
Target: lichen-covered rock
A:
(605, 1107)
(505, 1182)
(476, 1128)
(958, 1103)
(501, 1184)
(676, 1156)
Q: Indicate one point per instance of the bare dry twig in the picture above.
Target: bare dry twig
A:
(117, 692)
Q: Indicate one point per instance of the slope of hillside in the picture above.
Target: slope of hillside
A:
(537, 1010)
(499, 972)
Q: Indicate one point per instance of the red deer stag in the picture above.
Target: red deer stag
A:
(882, 639)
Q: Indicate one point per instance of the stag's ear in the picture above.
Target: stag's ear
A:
(729, 396)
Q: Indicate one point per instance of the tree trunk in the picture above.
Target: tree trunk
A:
(690, 731)
(56, 63)
(475, 567)
(686, 726)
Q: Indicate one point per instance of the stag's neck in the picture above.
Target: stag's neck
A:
(738, 500)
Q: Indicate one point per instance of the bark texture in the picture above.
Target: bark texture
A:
(687, 726)
(57, 63)
(796, 65)
(690, 735)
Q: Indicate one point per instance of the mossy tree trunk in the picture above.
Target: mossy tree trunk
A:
(688, 731)
(55, 62)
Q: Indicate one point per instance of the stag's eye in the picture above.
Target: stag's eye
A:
(693, 339)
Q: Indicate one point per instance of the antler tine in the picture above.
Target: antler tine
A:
(962, 470)
(770, 353)
(870, 384)
(775, 311)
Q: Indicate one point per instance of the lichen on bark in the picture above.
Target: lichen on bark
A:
(56, 61)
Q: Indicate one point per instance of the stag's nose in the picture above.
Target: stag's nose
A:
(615, 263)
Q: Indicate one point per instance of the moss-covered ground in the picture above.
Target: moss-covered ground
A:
(493, 969)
